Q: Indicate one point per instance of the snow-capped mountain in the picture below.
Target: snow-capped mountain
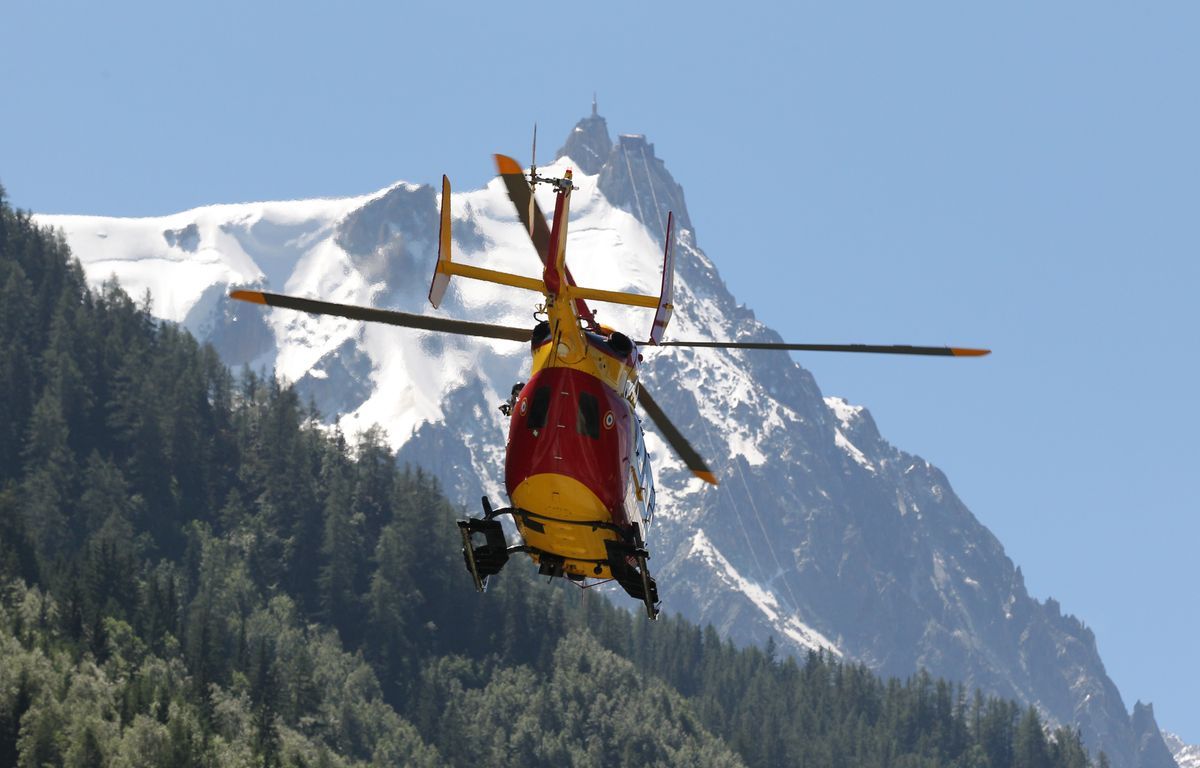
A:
(821, 533)
(1186, 755)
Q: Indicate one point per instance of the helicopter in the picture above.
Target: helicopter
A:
(577, 470)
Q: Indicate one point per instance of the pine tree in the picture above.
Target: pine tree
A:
(263, 694)
(50, 478)
(16, 375)
(11, 713)
(1029, 742)
(393, 603)
(342, 548)
(374, 482)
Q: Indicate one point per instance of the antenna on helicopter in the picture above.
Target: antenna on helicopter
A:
(533, 154)
(532, 177)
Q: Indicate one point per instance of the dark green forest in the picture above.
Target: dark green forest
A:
(194, 571)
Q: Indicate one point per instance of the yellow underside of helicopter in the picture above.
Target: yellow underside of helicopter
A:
(563, 508)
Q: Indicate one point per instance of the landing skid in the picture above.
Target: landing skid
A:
(634, 577)
(626, 557)
(485, 560)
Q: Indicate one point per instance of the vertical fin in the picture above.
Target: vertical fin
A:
(665, 308)
(555, 266)
(441, 277)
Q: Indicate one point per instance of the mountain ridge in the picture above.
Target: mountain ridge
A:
(859, 544)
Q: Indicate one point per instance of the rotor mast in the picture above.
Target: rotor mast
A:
(562, 310)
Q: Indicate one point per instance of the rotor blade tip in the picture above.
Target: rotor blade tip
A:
(707, 477)
(965, 352)
(254, 297)
(506, 165)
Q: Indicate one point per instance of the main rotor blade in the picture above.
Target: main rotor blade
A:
(391, 317)
(894, 349)
(674, 438)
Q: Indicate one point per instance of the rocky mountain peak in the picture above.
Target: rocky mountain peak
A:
(632, 177)
(1151, 749)
(588, 143)
(635, 179)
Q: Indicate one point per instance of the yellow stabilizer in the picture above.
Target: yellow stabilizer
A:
(446, 268)
(612, 297)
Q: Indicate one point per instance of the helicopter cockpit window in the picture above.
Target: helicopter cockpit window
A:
(538, 408)
(587, 419)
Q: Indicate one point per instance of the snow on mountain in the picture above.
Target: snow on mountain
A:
(821, 534)
(762, 599)
(1186, 755)
(178, 257)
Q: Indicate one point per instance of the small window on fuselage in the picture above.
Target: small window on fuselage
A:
(538, 408)
(587, 419)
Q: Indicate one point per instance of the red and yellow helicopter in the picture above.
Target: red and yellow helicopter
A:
(577, 471)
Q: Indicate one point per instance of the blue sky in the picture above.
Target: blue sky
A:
(1023, 176)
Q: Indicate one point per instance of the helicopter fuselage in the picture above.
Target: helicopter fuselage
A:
(576, 467)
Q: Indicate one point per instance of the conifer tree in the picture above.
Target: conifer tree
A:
(342, 547)
(49, 481)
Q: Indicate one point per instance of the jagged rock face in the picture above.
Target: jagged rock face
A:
(340, 381)
(634, 179)
(820, 534)
(461, 457)
(588, 144)
(1151, 749)
(390, 238)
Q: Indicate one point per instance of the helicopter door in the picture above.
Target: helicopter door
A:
(640, 498)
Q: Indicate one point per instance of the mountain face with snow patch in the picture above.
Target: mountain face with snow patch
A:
(821, 534)
(1186, 755)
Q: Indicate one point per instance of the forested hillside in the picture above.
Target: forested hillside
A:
(194, 572)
